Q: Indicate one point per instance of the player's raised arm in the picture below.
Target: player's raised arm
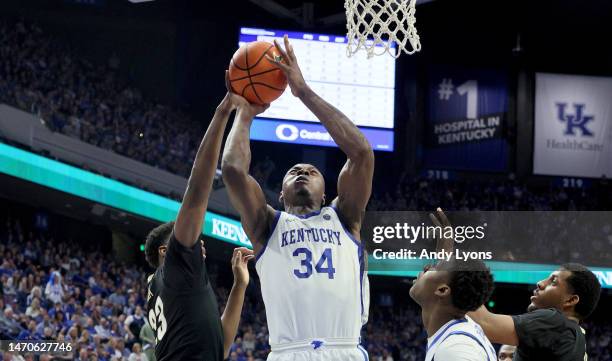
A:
(498, 328)
(244, 191)
(188, 225)
(230, 319)
(355, 179)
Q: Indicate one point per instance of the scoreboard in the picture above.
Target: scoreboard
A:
(363, 89)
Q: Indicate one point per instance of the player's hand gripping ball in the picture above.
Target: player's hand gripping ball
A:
(255, 78)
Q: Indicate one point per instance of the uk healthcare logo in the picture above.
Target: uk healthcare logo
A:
(577, 121)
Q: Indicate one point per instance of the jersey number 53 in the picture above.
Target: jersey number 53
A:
(157, 320)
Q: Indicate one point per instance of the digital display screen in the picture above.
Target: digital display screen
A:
(362, 88)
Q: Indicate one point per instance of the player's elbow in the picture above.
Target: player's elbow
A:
(231, 171)
(364, 154)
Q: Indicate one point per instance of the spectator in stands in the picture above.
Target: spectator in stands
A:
(506, 353)
(44, 323)
(102, 329)
(137, 354)
(36, 292)
(34, 309)
(133, 323)
(30, 333)
(118, 298)
(148, 339)
(91, 102)
(54, 290)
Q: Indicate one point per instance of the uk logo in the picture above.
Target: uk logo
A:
(576, 121)
(316, 344)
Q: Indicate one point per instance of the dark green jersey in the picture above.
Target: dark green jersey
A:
(548, 335)
(182, 308)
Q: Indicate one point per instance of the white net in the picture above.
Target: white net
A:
(375, 25)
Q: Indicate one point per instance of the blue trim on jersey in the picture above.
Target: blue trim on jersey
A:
(443, 331)
(349, 234)
(364, 352)
(308, 215)
(360, 255)
(272, 229)
(361, 272)
(472, 337)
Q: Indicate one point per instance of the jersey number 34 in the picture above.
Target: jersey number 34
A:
(325, 264)
(157, 320)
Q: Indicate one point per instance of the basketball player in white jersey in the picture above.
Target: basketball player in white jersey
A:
(310, 260)
(446, 292)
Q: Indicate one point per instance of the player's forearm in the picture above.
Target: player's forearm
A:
(190, 218)
(480, 316)
(206, 159)
(237, 153)
(498, 328)
(231, 316)
(342, 130)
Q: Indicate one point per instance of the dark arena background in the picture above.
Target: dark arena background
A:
(103, 104)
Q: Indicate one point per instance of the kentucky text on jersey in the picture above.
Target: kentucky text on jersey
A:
(300, 235)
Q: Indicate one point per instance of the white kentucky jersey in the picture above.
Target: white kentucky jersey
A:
(460, 340)
(313, 282)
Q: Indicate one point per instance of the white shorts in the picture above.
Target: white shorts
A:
(325, 353)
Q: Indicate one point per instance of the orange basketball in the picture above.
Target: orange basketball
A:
(253, 76)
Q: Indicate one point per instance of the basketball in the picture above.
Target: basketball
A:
(253, 76)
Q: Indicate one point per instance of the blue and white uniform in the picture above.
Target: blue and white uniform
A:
(314, 287)
(460, 340)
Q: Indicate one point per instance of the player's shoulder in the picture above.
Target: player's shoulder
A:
(551, 315)
(460, 347)
(151, 288)
(272, 214)
(544, 321)
(547, 312)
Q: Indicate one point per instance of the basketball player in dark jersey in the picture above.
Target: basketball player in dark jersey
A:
(182, 308)
(550, 330)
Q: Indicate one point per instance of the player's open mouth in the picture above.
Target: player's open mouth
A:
(301, 179)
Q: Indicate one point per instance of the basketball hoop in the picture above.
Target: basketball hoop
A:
(378, 26)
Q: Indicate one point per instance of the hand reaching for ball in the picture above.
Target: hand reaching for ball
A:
(289, 65)
(235, 101)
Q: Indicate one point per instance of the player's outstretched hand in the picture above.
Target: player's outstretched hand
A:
(289, 65)
(234, 101)
(240, 260)
(439, 219)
